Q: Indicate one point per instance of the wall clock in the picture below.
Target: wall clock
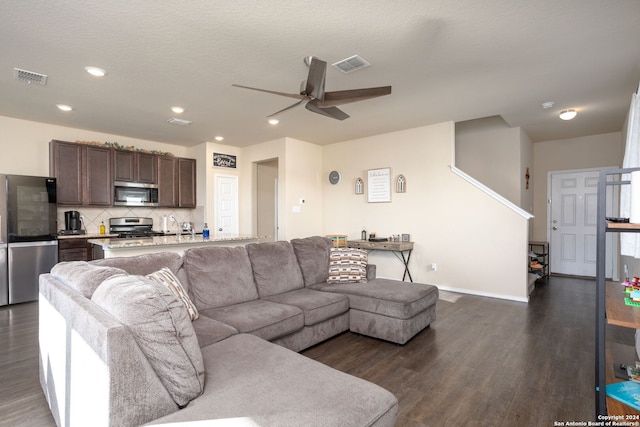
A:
(334, 177)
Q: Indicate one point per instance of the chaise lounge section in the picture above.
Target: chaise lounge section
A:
(255, 304)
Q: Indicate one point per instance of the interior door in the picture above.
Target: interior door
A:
(572, 223)
(226, 187)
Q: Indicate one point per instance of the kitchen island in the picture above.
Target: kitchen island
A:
(115, 247)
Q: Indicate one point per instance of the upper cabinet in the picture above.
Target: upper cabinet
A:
(85, 174)
(186, 183)
(167, 182)
(133, 166)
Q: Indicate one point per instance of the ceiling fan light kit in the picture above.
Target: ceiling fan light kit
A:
(319, 101)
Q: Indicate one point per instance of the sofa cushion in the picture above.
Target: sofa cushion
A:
(210, 331)
(313, 257)
(317, 306)
(265, 319)
(82, 276)
(219, 276)
(347, 265)
(262, 384)
(144, 264)
(387, 297)
(162, 329)
(275, 268)
(167, 278)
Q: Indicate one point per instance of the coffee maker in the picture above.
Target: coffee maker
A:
(72, 223)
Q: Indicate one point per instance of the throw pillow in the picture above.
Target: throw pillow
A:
(167, 278)
(161, 327)
(347, 265)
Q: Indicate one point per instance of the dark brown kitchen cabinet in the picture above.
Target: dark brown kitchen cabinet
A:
(133, 166)
(186, 183)
(99, 178)
(65, 163)
(74, 249)
(167, 182)
(83, 172)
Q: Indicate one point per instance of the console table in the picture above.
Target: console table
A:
(397, 248)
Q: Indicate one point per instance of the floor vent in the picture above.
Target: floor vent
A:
(179, 122)
(351, 64)
(29, 76)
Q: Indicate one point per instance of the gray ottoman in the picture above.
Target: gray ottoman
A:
(388, 309)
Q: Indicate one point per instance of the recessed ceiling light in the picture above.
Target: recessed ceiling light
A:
(95, 71)
(177, 110)
(219, 138)
(273, 121)
(568, 114)
(64, 107)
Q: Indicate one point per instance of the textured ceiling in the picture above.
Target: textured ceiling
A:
(446, 60)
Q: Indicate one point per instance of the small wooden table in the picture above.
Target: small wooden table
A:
(397, 248)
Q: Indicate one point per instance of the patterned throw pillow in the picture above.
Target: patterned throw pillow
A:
(347, 265)
(167, 278)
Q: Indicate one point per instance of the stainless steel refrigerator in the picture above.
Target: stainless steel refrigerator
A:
(28, 233)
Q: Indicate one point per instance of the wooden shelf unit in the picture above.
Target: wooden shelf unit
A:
(610, 306)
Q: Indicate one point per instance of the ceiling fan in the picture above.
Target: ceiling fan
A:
(321, 102)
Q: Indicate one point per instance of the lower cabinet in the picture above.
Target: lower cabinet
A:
(74, 249)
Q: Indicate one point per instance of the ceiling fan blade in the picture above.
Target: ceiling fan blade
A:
(316, 78)
(333, 112)
(341, 97)
(288, 95)
(288, 108)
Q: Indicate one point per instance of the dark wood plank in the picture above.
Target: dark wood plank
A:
(487, 361)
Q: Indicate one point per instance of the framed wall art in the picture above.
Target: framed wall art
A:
(379, 185)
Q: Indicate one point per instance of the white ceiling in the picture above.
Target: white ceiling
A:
(446, 60)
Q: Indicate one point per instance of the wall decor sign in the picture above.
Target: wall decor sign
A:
(224, 161)
(379, 185)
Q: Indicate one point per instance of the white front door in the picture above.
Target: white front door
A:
(226, 197)
(572, 223)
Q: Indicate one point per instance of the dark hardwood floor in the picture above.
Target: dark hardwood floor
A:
(484, 362)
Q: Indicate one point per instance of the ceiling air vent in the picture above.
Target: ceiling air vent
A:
(350, 64)
(179, 122)
(29, 76)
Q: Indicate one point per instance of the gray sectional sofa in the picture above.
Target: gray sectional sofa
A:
(119, 349)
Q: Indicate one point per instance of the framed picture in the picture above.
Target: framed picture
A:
(406, 238)
(379, 185)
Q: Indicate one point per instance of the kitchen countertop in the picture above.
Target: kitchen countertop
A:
(109, 243)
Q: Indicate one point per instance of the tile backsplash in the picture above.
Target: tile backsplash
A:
(93, 216)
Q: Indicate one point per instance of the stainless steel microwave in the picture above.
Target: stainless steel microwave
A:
(134, 194)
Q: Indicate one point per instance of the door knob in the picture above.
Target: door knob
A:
(219, 229)
(554, 228)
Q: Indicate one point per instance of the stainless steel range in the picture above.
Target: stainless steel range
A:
(133, 227)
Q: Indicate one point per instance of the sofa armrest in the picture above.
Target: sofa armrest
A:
(92, 371)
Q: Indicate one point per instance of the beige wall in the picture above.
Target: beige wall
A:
(497, 156)
(596, 151)
(299, 176)
(478, 244)
(25, 145)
